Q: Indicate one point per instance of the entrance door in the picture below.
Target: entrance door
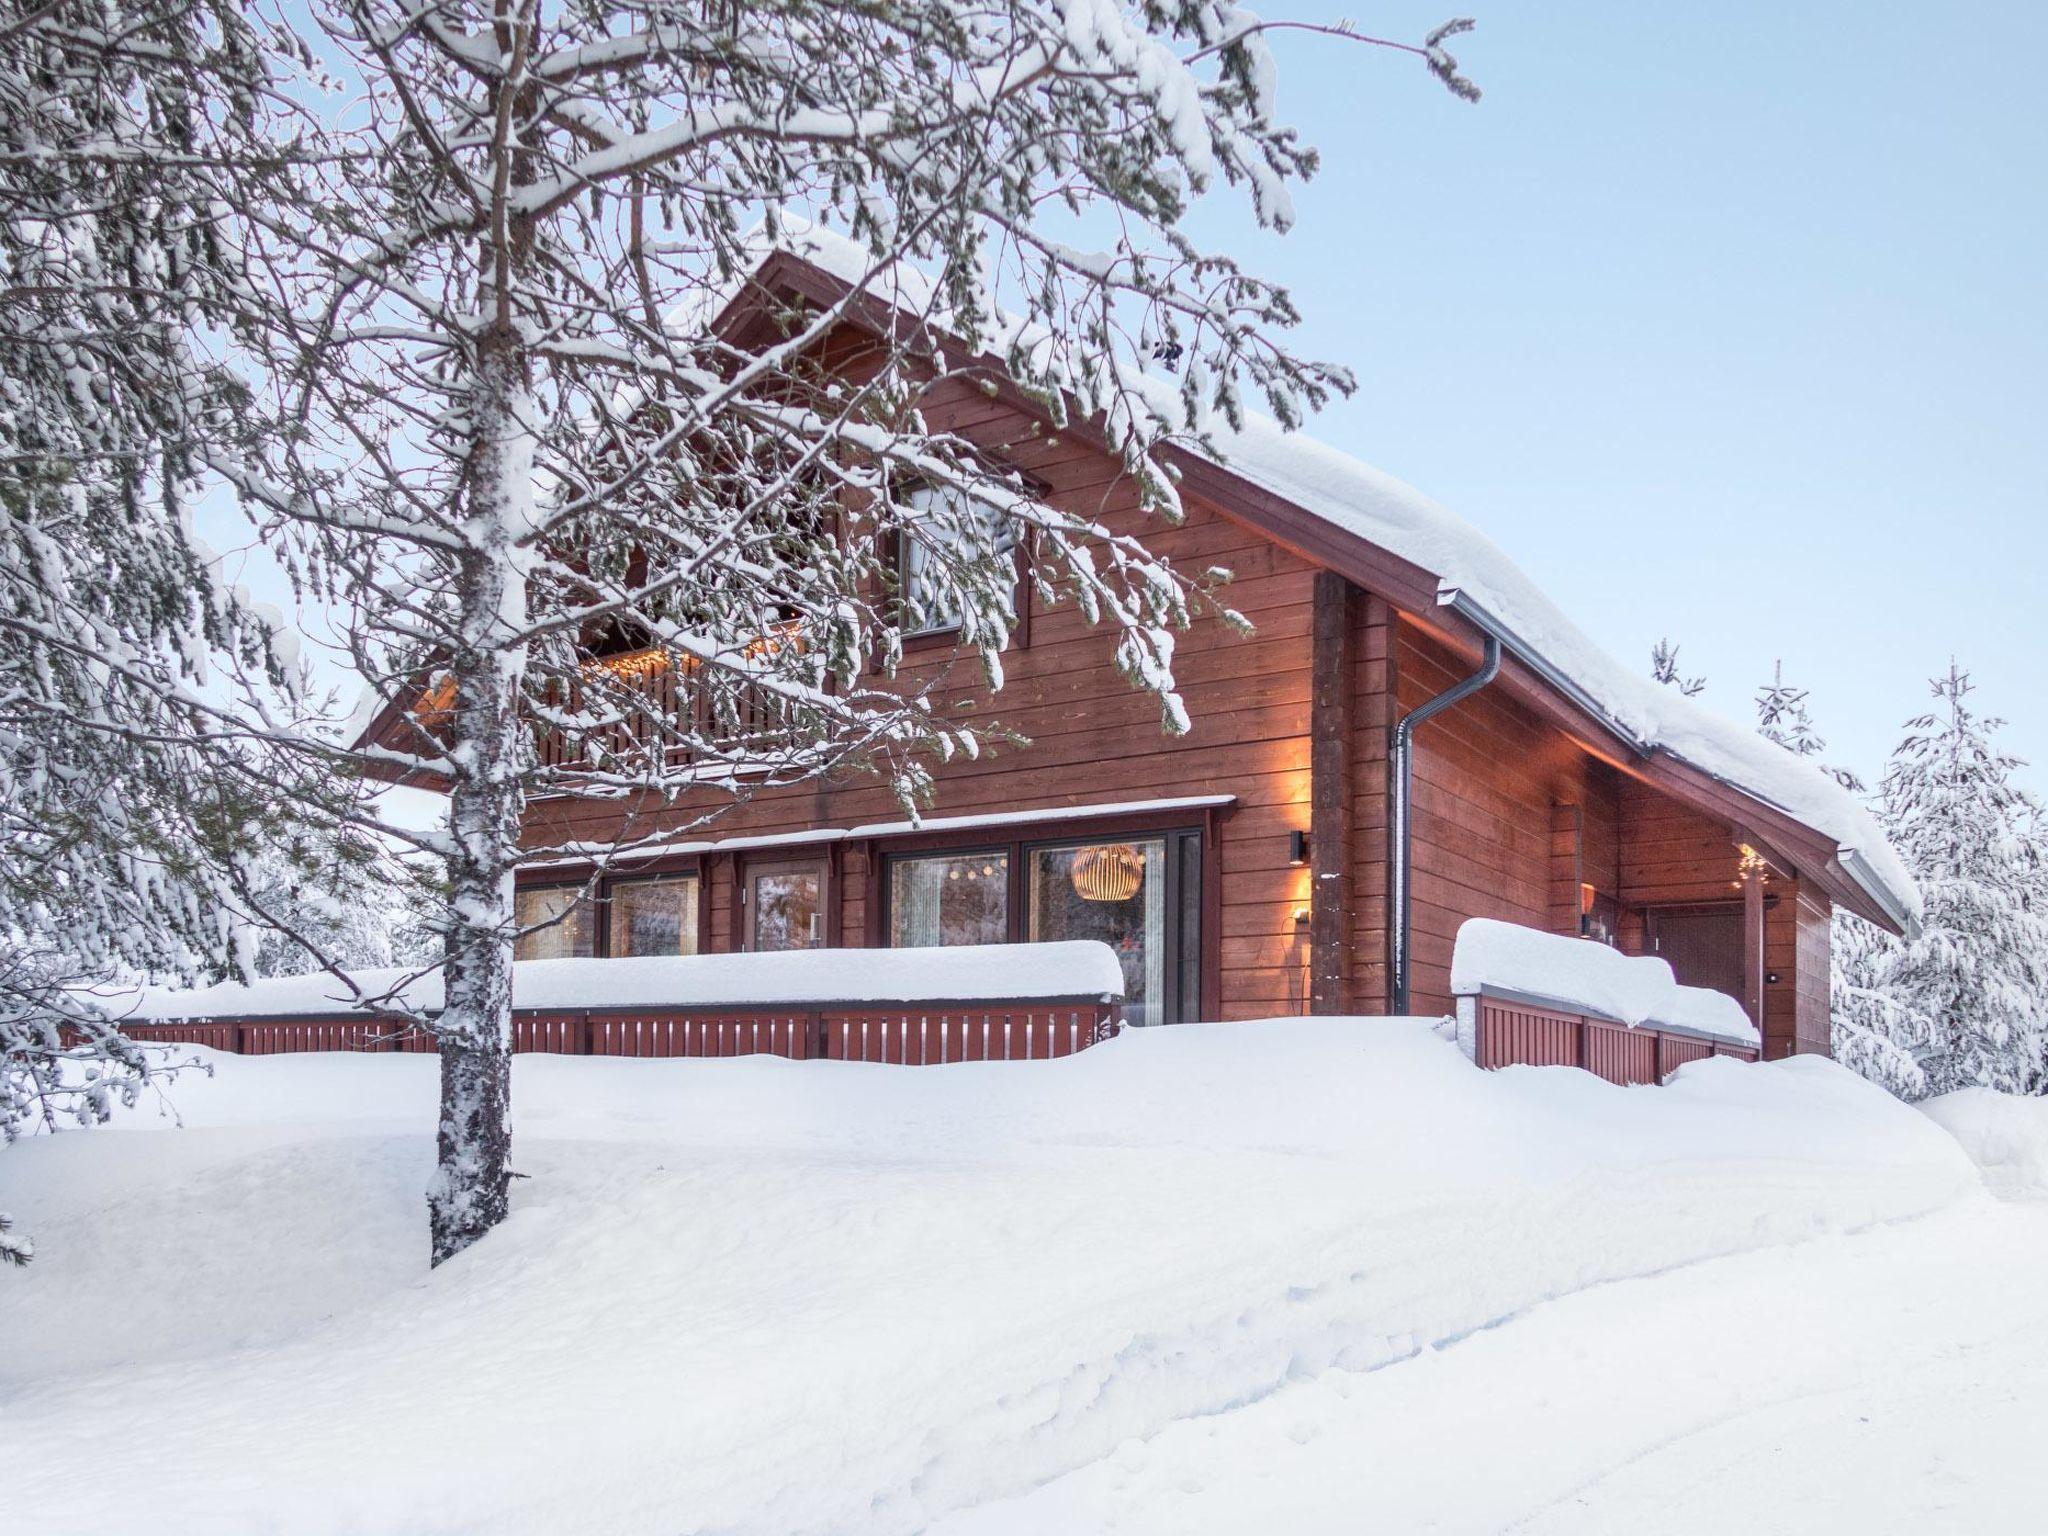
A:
(786, 905)
(1703, 946)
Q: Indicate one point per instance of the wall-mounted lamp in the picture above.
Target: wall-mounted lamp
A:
(1297, 847)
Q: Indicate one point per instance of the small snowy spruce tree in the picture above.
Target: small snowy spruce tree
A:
(1664, 667)
(1973, 987)
(554, 491)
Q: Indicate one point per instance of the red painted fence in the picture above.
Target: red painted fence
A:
(916, 1034)
(1512, 1033)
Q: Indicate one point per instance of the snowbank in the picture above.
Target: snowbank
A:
(1473, 571)
(760, 1296)
(1578, 976)
(2005, 1134)
(1074, 968)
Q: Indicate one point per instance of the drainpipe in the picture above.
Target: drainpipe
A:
(1404, 775)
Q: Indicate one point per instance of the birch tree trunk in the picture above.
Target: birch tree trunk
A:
(468, 1195)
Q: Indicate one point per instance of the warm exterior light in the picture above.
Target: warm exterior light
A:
(1297, 847)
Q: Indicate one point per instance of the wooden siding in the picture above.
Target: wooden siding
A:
(1511, 811)
(1091, 738)
(1489, 777)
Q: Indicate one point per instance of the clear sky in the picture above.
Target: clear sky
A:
(1727, 321)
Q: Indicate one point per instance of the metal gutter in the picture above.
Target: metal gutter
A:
(1404, 790)
(1532, 658)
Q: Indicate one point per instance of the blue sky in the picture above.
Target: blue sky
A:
(1727, 321)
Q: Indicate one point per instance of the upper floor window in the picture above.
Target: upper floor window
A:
(953, 526)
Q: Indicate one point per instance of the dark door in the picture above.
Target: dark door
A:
(1702, 947)
(786, 905)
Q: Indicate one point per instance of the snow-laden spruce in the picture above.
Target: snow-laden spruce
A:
(1967, 998)
(129, 799)
(521, 439)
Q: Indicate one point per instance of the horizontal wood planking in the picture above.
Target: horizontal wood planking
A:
(1092, 737)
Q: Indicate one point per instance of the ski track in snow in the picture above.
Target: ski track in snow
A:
(757, 1296)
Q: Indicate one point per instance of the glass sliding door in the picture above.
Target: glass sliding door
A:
(653, 917)
(786, 906)
(949, 898)
(1115, 892)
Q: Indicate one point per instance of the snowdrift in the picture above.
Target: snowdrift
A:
(752, 1295)
(2005, 1135)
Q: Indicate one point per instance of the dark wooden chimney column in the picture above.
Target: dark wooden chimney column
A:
(1334, 680)
(1753, 948)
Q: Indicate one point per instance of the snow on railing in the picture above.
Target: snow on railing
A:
(1527, 998)
(1014, 973)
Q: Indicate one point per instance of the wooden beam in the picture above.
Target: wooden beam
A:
(1753, 952)
(1333, 672)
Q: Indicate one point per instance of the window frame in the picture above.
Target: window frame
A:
(611, 884)
(591, 903)
(600, 898)
(889, 859)
(1175, 1006)
(947, 635)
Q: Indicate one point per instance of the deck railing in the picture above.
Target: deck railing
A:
(910, 1034)
(1504, 1030)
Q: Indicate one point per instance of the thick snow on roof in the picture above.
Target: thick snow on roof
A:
(960, 973)
(1361, 500)
(1583, 977)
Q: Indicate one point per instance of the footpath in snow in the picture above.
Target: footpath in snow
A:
(761, 1296)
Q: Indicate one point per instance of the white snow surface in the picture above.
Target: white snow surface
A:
(1386, 512)
(1583, 977)
(2005, 1134)
(1069, 968)
(760, 1296)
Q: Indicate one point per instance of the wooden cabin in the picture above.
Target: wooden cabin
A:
(1255, 865)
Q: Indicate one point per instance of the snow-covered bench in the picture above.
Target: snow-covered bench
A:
(995, 1002)
(1528, 998)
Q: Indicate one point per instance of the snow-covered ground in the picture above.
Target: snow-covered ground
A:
(1294, 1276)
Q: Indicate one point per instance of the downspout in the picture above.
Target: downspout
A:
(1404, 776)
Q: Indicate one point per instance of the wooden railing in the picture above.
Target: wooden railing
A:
(908, 1034)
(1512, 1032)
(669, 707)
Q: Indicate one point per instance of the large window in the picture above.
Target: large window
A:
(1141, 897)
(653, 917)
(554, 923)
(949, 898)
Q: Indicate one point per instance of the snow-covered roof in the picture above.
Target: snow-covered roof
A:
(1580, 976)
(1077, 968)
(1476, 576)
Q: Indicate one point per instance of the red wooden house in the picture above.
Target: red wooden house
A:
(1277, 858)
